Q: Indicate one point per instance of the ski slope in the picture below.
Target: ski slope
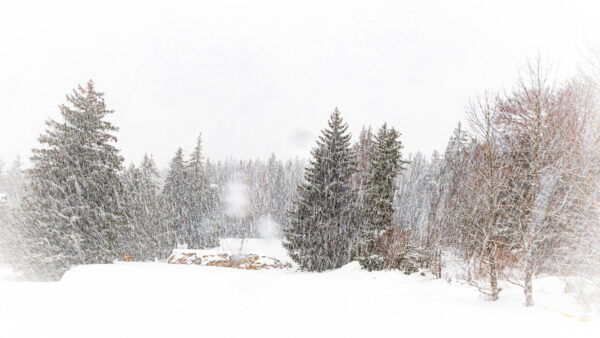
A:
(163, 300)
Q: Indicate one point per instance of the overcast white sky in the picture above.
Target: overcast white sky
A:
(257, 77)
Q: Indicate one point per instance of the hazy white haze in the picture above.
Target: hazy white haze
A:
(257, 77)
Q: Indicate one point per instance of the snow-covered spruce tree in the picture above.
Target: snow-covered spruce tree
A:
(71, 213)
(293, 173)
(323, 219)
(363, 151)
(150, 216)
(381, 188)
(201, 230)
(275, 190)
(189, 206)
(144, 237)
(175, 194)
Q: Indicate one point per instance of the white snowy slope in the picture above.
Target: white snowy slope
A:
(163, 300)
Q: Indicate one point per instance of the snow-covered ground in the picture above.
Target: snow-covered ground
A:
(163, 300)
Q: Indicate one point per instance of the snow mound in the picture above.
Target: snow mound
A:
(350, 267)
(132, 299)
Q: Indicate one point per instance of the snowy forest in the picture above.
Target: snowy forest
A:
(513, 195)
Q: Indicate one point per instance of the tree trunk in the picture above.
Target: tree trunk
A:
(494, 280)
(528, 285)
(438, 264)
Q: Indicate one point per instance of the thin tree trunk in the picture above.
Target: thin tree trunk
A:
(528, 284)
(438, 263)
(494, 279)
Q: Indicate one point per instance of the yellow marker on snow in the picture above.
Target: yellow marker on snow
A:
(581, 319)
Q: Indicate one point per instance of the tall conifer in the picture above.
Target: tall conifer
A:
(72, 212)
(323, 219)
(379, 200)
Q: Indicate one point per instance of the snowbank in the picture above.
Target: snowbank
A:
(166, 300)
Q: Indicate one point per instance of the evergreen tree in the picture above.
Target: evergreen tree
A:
(275, 190)
(323, 219)
(200, 232)
(145, 238)
(152, 206)
(174, 192)
(363, 151)
(386, 164)
(189, 201)
(72, 212)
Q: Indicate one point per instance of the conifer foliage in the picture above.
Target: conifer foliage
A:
(323, 218)
(201, 200)
(189, 201)
(72, 210)
(145, 236)
(175, 194)
(379, 200)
